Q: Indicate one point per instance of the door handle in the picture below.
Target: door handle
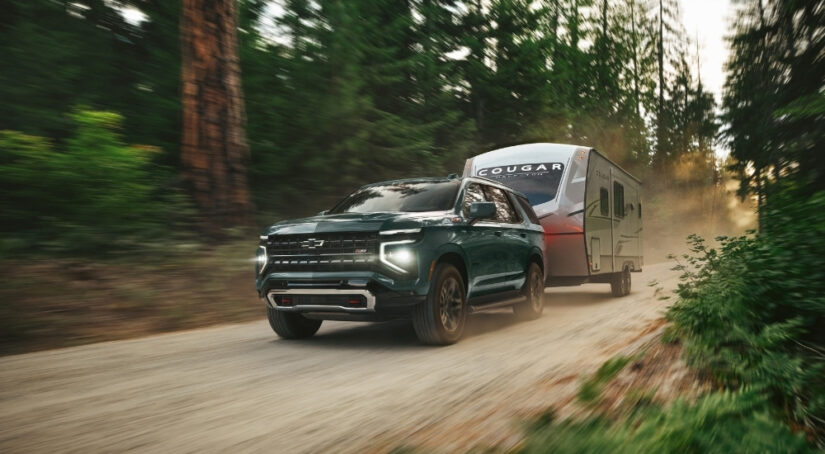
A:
(497, 232)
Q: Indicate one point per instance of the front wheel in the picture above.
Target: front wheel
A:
(620, 284)
(441, 318)
(290, 325)
(533, 290)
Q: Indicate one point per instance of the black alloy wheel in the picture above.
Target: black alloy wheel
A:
(440, 320)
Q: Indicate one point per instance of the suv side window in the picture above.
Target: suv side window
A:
(473, 193)
(528, 210)
(504, 210)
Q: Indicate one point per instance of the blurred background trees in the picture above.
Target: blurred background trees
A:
(341, 93)
(774, 104)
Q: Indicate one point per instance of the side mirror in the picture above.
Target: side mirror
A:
(482, 210)
(323, 213)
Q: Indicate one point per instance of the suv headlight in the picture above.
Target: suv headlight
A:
(399, 256)
(260, 259)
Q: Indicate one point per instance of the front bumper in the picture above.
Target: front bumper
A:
(362, 295)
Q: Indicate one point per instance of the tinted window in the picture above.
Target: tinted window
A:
(402, 196)
(604, 202)
(539, 182)
(528, 210)
(504, 211)
(473, 193)
(618, 200)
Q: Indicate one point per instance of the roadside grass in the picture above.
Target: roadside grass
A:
(719, 422)
(593, 386)
(623, 409)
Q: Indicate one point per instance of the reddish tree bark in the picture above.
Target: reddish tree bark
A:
(214, 151)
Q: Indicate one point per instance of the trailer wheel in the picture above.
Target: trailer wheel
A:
(620, 284)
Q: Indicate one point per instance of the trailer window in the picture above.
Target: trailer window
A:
(618, 200)
(604, 202)
(538, 181)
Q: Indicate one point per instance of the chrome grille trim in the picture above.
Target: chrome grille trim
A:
(369, 296)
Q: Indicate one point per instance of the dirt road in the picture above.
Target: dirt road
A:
(352, 388)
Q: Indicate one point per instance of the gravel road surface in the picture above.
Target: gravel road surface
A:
(352, 388)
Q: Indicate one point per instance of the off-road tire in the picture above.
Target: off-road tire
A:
(290, 325)
(447, 297)
(533, 290)
(620, 284)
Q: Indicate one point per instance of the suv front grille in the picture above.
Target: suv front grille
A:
(323, 251)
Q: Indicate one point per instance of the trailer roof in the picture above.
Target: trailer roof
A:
(533, 151)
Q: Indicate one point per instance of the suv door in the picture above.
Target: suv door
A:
(478, 245)
(513, 245)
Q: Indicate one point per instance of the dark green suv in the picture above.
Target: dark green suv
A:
(431, 250)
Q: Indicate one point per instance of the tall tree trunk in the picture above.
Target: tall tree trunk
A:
(214, 151)
(661, 55)
(660, 127)
(554, 29)
(635, 44)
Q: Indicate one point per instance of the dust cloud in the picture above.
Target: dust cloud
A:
(674, 211)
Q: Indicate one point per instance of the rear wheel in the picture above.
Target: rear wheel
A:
(441, 318)
(290, 325)
(620, 284)
(533, 290)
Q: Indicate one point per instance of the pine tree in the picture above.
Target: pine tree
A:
(667, 34)
(773, 100)
(518, 87)
(214, 150)
(442, 100)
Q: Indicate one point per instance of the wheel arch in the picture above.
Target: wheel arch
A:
(538, 258)
(454, 256)
(629, 265)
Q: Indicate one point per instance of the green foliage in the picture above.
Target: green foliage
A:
(773, 95)
(752, 313)
(592, 387)
(92, 194)
(721, 422)
(60, 54)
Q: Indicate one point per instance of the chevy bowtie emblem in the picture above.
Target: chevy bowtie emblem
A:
(312, 243)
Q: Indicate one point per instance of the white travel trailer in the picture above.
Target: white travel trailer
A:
(589, 207)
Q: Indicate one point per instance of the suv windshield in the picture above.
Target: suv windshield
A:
(539, 181)
(401, 196)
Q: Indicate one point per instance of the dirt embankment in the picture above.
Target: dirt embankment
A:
(60, 302)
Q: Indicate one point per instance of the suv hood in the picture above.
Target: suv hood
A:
(360, 222)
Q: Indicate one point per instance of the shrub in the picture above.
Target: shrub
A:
(91, 193)
(752, 314)
(721, 422)
(590, 390)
